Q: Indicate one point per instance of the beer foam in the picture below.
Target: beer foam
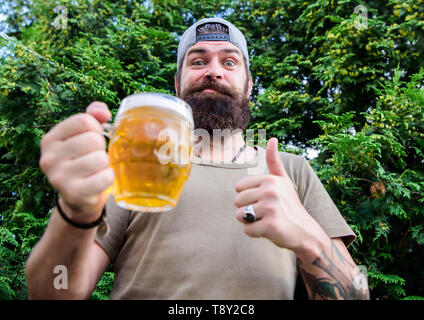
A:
(154, 99)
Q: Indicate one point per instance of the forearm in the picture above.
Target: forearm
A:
(61, 245)
(330, 274)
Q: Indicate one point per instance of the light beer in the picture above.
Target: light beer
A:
(150, 152)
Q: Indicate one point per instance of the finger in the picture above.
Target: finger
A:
(239, 215)
(248, 182)
(82, 144)
(256, 229)
(273, 160)
(95, 183)
(99, 111)
(246, 197)
(88, 164)
(72, 126)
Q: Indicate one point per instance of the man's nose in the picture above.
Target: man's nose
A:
(214, 71)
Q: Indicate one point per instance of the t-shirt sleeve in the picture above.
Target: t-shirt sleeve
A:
(317, 201)
(112, 237)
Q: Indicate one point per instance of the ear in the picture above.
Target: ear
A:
(176, 84)
(250, 85)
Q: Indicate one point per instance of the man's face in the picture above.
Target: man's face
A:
(215, 84)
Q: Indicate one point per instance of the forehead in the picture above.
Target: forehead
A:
(214, 47)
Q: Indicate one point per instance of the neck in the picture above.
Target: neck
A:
(222, 148)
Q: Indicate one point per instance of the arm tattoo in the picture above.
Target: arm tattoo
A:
(336, 284)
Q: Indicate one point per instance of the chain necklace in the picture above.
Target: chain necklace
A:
(235, 157)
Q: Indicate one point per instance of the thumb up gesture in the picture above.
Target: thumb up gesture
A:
(280, 215)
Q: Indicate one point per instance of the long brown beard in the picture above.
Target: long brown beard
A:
(224, 109)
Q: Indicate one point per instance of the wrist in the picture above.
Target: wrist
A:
(312, 245)
(77, 217)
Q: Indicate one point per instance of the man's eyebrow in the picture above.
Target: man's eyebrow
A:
(202, 51)
(231, 50)
(196, 50)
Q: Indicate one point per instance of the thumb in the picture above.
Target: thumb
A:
(99, 110)
(275, 165)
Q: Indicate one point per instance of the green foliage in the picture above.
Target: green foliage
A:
(321, 80)
(375, 175)
(103, 287)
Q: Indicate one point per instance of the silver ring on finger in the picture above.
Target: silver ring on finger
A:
(249, 214)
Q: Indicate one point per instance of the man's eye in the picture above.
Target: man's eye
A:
(229, 63)
(198, 63)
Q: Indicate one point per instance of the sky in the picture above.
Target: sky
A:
(2, 49)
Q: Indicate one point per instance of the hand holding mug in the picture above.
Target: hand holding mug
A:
(74, 159)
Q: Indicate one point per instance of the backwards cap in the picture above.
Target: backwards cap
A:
(190, 37)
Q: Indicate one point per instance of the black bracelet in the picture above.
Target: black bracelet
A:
(80, 225)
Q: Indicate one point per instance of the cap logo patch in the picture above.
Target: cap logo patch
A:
(213, 37)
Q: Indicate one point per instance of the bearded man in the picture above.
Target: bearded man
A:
(232, 235)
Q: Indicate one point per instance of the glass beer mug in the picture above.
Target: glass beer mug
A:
(150, 151)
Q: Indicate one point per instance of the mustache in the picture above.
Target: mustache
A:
(209, 84)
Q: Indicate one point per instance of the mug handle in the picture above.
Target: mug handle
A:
(108, 129)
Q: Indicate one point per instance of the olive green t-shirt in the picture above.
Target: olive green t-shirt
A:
(198, 249)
